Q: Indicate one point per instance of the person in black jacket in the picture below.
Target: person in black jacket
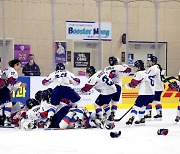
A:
(31, 68)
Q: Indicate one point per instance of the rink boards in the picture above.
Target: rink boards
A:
(169, 98)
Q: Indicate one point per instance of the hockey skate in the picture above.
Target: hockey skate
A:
(7, 122)
(177, 119)
(111, 117)
(147, 116)
(100, 121)
(130, 121)
(159, 115)
(141, 121)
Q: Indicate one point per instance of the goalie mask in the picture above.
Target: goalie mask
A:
(113, 61)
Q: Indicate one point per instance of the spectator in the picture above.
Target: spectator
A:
(31, 68)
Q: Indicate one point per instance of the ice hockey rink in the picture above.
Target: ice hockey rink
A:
(133, 139)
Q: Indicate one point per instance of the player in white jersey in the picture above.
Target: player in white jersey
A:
(116, 72)
(178, 108)
(145, 81)
(63, 80)
(101, 82)
(10, 83)
(158, 87)
(78, 118)
(38, 115)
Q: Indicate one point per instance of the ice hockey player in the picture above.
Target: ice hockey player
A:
(145, 81)
(18, 113)
(63, 80)
(38, 115)
(78, 118)
(116, 72)
(8, 84)
(101, 82)
(178, 108)
(158, 87)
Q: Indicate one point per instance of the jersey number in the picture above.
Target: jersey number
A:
(151, 78)
(62, 75)
(106, 80)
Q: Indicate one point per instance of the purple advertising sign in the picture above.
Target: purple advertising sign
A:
(21, 52)
(60, 52)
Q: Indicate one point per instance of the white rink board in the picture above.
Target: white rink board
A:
(87, 98)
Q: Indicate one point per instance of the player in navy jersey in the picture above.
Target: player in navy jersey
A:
(145, 81)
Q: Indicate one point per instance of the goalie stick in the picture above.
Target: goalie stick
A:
(116, 120)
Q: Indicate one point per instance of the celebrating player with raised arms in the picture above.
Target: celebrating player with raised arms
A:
(8, 84)
(158, 87)
(145, 81)
(116, 72)
(101, 82)
(63, 80)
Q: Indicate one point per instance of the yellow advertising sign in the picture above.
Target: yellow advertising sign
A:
(169, 97)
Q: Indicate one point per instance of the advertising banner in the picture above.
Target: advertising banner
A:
(23, 93)
(169, 98)
(60, 52)
(82, 30)
(21, 52)
(81, 59)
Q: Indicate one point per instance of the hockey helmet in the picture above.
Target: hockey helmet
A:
(60, 66)
(113, 61)
(38, 95)
(139, 64)
(31, 102)
(91, 70)
(154, 59)
(46, 94)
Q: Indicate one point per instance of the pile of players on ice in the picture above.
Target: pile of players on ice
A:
(59, 107)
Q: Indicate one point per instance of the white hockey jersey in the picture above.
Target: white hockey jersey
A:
(145, 81)
(41, 112)
(158, 84)
(101, 82)
(11, 76)
(61, 78)
(116, 72)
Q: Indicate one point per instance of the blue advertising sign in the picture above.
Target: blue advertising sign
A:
(23, 93)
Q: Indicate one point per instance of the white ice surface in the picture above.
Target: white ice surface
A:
(133, 139)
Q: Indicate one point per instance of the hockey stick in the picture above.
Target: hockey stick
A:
(171, 84)
(168, 79)
(116, 120)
